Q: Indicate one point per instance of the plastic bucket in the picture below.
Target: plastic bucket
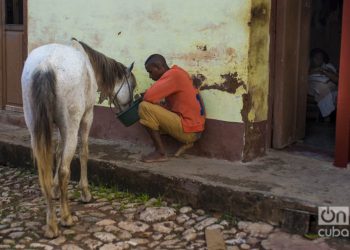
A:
(131, 115)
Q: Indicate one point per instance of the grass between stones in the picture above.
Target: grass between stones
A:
(113, 193)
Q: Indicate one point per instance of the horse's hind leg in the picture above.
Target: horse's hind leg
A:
(70, 139)
(45, 178)
(56, 188)
(85, 126)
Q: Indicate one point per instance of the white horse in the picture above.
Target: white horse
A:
(59, 85)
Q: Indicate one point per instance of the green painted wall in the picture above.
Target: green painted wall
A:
(210, 39)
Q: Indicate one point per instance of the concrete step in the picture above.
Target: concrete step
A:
(281, 188)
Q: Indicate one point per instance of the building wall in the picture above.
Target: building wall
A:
(255, 101)
(222, 44)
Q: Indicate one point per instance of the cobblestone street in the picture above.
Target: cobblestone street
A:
(120, 220)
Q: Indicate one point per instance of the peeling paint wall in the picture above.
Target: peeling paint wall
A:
(255, 101)
(258, 65)
(205, 37)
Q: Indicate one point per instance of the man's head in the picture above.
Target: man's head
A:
(318, 57)
(156, 66)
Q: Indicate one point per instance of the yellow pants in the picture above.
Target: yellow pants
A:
(160, 119)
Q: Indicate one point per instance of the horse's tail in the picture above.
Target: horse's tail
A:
(43, 108)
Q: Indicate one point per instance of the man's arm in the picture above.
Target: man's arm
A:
(162, 88)
(333, 76)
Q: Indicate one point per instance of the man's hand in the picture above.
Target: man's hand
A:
(330, 74)
(138, 96)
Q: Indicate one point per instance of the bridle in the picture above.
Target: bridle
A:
(115, 97)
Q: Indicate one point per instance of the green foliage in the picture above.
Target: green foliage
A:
(111, 193)
(311, 236)
(230, 218)
(159, 201)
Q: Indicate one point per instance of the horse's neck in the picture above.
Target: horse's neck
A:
(75, 44)
(92, 74)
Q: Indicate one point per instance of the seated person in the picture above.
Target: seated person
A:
(182, 116)
(323, 79)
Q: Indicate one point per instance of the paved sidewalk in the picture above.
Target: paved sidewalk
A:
(260, 190)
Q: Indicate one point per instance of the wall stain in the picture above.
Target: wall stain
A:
(156, 15)
(231, 52)
(258, 63)
(202, 47)
(254, 132)
(230, 84)
(200, 55)
(198, 80)
(212, 26)
(259, 13)
(247, 106)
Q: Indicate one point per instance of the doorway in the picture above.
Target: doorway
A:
(13, 41)
(290, 33)
(325, 40)
(294, 32)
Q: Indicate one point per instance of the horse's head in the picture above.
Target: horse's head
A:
(115, 81)
(122, 96)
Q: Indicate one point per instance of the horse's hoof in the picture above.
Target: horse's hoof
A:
(51, 233)
(67, 221)
(86, 196)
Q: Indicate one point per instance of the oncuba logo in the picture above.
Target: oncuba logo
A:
(336, 216)
(333, 216)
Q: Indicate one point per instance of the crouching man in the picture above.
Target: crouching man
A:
(172, 105)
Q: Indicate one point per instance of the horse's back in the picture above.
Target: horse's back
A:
(64, 60)
(70, 71)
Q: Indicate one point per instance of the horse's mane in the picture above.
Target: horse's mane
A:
(107, 70)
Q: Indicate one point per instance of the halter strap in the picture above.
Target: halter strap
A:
(115, 99)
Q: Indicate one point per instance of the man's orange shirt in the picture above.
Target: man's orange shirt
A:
(176, 87)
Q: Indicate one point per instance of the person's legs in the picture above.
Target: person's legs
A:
(155, 118)
(159, 153)
(183, 149)
(149, 117)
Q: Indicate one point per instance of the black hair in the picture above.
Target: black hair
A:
(156, 59)
(320, 51)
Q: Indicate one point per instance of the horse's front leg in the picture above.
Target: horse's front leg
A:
(69, 147)
(84, 155)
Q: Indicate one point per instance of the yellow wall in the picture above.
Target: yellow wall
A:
(258, 70)
(206, 37)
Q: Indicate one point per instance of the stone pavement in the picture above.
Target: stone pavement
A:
(120, 220)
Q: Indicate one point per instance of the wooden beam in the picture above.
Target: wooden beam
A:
(2, 55)
(342, 140)
(25, 29)
(272, 66)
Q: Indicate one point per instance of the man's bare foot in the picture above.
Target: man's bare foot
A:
(183, 149)
(154, 157)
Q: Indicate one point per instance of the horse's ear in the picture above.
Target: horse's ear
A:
(130, 68)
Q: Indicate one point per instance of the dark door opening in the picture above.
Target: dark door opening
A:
(298, 26)
(325, 40)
